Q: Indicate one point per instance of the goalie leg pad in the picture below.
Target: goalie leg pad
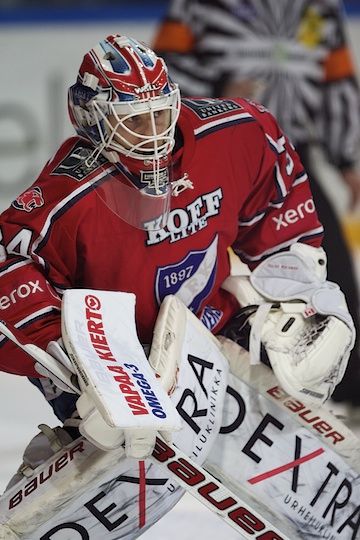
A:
(167, 342)
(44, 445)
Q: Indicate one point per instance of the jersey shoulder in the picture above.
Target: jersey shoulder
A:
(207, 115)
(67, 176)
(203, 111)
(73, 161)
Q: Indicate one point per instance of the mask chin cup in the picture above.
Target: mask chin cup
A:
(146, 208)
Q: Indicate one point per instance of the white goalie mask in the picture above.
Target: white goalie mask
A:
(126, 105)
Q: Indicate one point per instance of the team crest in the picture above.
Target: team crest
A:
(76, 164)
(210, 317)
(29, 200)
(210, 108)
(190, 279)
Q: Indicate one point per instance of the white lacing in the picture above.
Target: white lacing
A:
(178, 186)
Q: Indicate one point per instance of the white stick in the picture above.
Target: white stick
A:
(192, 477)
(41, 356)
(213, 494)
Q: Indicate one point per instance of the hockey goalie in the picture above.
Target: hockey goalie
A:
(116, 277)
(104, 482)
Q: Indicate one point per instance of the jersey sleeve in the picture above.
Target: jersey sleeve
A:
(30, 303)
(33, 271)
(278, 209)
(32, 279)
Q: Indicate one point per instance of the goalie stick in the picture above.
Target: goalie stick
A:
(197, 481)
(42, 357)
(203, 485)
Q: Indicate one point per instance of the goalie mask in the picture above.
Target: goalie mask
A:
(126, 105)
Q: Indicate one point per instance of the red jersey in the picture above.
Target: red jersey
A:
(249, 192)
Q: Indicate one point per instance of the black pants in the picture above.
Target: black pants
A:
(341, 271)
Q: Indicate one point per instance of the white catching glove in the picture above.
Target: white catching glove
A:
(302, 321)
